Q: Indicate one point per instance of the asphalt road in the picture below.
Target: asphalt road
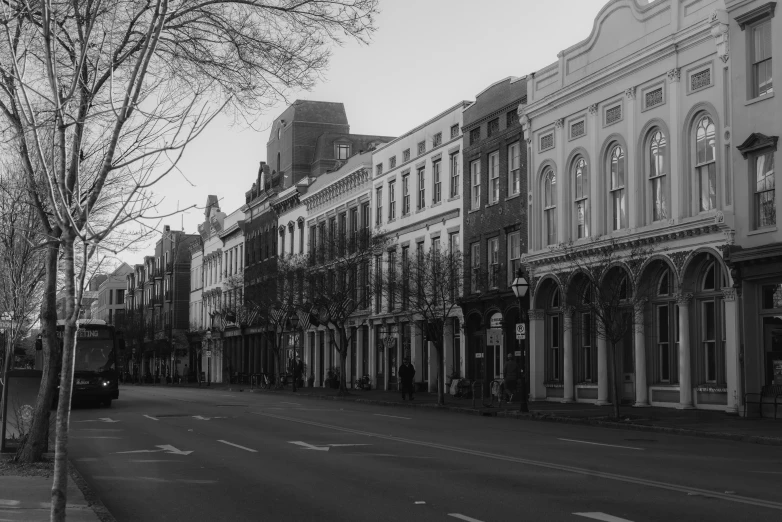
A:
(195, 454)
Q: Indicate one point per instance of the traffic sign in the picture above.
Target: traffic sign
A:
(521, 331)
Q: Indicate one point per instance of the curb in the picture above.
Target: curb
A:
(734, 437)
(90, 496)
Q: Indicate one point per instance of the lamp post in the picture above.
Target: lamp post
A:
(520, 287)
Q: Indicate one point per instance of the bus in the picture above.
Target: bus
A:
(95, 375)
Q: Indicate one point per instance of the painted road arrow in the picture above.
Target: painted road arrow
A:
(166, 447)
(102, 419)
(325, 447)
(199, 417)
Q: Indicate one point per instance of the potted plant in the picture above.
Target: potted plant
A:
(332, 377)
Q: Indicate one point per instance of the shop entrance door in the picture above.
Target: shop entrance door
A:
(772, 342)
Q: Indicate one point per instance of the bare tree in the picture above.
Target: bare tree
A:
(604, 281)
(108, 94)
(424, 289)
(21, 270)
(339, 286)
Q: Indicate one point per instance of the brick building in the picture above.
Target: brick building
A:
(495, 224)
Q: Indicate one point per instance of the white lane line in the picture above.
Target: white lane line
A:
(92, 437)
(237, 446)
(294, 403)
(4, 502)
(463, 517)
(420, 502)
(391, 416)
(541, 464)
(599, 444)
(153, 418)
(98, 429)
(154, 460)
(602, 516)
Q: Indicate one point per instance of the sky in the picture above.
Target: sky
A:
(425, 56)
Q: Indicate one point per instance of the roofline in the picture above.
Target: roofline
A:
(509, 79)
(463, 104)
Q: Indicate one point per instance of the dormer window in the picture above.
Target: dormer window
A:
(343, 151)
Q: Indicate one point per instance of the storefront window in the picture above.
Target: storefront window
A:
(771, 297)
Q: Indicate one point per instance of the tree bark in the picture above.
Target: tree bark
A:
(343, 356)
(36, 443)
(440, 383)
(60, 479)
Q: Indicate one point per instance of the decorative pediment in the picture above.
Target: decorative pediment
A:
(759, 13)
(757, 141)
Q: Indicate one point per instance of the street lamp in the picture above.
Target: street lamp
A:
(520, 286)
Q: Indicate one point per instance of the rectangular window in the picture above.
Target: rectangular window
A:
(475, 259)
(406, 155)
(475, 183)
(762, 81)
(437, 140)
(663, 343)
(453, 249)
(421, 147)
(475, 135)
(343, 151)
(493, 251)
(514, 169)
(514, 254)
(765, 209)
(120, 297)
(405, 277)
(378, 169)
(454, 131)
(586, 345)
(365, 217)
(391, 280)
(436, 183)
(547, 141)
(511, 118)
(405, 194)
(391, 200)
(353, 229)
(493, 127)
(313, 241)
(392, 162)
(554, 340)
(301, 243)
(454, 166)
(421, 188)
(613, 114)
(709, 322)
(494, 177)
(378, 283)
(379, 206)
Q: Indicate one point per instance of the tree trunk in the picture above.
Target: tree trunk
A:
(614, 381)
(440, 383)
(36, 443)
(60, 479)
(343, 357)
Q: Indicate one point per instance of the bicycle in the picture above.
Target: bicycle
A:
(362, 383)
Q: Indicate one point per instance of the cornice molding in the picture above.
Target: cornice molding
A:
(337, 189)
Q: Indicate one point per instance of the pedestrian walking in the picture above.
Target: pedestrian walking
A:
(510, 375)
(406, 375)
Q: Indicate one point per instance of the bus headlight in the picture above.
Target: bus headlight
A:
(106, 383)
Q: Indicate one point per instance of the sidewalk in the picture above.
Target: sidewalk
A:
(698, 423)
(26, 498)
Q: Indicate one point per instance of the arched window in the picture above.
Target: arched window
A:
(618, 193)
(658, 151)
(709, 279)
(555, 298)
(278, 162)
(550, 206)
(663, 287)
(705, 163)
(581, 191)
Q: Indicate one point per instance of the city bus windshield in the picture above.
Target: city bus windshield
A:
(94, 355)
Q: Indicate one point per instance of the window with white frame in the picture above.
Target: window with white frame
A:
(392, 162)
(550, 207)
(475, 261)
(581, 193)
(761, 50)
(436, 182)
(514, 254)
(406, 194)
(494, 177)
(514, 169)
(618, 194)
(475, 184)
(658, 181)
(454, 166)
(706, 163)
(391, 200)
(421, 147)
(493, 251)
(421, 188)
(437, 140)
(378, 169)
(454, 131)
(765, 209)
(406, 155)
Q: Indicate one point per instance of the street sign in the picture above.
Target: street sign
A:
(521, 331)
(479, 355)
(494, 337)
(518, 353)
(495, 321)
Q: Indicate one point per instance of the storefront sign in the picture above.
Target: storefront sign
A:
(479, 355)
(496, 321)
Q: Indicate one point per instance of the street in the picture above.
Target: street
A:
(165, 453)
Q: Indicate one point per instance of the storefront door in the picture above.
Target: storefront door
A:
(772, 343)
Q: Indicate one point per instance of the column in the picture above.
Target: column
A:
(732, 366)
(602, 372)
(678, 183)
(634, 194)
(537, 355)
(567, 341)
(360, 351)
(563, 206)
(448, 359)
(641, 389)
(685, 370)
(433, 375)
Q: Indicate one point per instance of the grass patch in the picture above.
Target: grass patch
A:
(10, 468)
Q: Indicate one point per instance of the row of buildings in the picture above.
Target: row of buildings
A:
(659, 129)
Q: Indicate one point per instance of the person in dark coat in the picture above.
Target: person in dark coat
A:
(406, 375)
(510, 376)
